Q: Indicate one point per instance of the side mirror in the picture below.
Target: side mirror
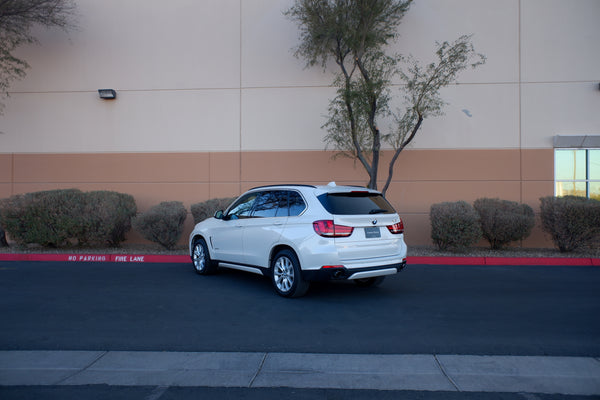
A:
(219, 214)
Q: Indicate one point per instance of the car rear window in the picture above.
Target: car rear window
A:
(355, 203)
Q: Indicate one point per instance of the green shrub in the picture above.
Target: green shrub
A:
(58, 218)
(206, 209)
(49, 218)
(504, 221)
(106, 218)
(454, 225)
(162, 223)
(571, 221)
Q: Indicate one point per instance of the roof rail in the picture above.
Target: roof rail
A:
(282, 185)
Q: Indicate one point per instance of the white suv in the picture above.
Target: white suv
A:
(295, 234)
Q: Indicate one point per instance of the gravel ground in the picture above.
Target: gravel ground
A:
(412, 251)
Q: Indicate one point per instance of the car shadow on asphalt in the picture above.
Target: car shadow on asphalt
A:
(260, 285)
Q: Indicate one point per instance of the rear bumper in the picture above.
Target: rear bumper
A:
(342, 273)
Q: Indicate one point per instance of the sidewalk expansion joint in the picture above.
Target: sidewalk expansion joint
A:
(260, 367)
(63, 380)
(441, 367)
(157, 393)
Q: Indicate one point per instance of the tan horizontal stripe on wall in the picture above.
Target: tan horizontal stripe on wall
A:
(422, 177)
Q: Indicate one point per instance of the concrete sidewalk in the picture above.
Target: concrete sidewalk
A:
(532, 374)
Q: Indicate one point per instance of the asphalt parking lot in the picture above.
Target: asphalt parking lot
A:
(476, 310)
(435, 312)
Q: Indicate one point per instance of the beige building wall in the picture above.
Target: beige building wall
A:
(422, 177)
(210, 101)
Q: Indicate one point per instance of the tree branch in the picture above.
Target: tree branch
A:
(397, 153)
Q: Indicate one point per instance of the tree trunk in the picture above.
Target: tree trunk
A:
(3, 242)
(375, 162)
(397, 153)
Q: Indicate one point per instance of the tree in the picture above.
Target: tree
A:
(354, 34)
(3, 242)
(17, 18)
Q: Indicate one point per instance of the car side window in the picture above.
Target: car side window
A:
(290, 204)
(283, 209)
(296, 204)
(278, 203)
(267, 204)
(243, 207)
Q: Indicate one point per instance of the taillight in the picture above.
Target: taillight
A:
(397, 228)
(327, 228)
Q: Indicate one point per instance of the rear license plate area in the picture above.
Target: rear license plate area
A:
(372, 232)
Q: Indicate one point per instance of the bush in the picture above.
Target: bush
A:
(162, 223)
(206, 209)
(454, 226)
(504, 221)
(49, 218)
(571, 221)
(106, 217)
(56, 218)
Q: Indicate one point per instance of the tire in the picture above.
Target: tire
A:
(201, 258)
(368, 282)
(286, 275)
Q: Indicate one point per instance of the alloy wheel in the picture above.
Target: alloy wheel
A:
(283, 273)
(199, 257)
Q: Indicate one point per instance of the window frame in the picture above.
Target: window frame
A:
(588, 179)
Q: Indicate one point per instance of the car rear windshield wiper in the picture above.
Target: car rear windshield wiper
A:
(378, 211)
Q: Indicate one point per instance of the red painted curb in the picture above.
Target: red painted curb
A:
(446, 260)
(150, 258)
(158, 258)
(504, 261)
(537, 261)
(124, 258)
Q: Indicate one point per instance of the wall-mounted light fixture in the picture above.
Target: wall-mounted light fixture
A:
(107, 94)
